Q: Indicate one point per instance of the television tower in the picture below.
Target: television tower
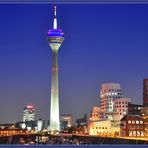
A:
(55, 39)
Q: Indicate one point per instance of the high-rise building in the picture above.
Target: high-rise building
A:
(121, 107)
(109, 92)
(66, 120)
(29, 113)
(55, 39)
(145, 92)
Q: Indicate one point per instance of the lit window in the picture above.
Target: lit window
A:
(134, 133)
(141, 122)
(129, 122)
(138, 133)
(142, 134)
(137, 122)
(133, 122)
(130, 133)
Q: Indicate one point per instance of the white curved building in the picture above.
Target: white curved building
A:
(109, 92)
(95, 113)
(121, 107)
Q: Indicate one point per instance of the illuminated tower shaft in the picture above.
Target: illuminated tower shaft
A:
(54, 108)
(55, 38)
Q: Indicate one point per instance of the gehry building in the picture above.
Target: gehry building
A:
(109, 92)
(105, 119)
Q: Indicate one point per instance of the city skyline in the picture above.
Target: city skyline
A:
(108, 43)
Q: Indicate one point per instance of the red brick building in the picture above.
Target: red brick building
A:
(145, 92)
(132, 126)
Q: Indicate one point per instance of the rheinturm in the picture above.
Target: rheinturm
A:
(55, 39)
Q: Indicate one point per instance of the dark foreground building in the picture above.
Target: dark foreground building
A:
(134, 109)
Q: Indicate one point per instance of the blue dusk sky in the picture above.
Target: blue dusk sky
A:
(103, 43)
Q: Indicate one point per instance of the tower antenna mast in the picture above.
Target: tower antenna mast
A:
(55, 16)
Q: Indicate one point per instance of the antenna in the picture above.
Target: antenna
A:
(55, 18)
(55, 11)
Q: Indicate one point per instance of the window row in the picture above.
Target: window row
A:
(123, 102)
(112, 90)
(121, 106)
(136, 133)
(101, 127)
(108, 97)
(135, 122)
(135, 127)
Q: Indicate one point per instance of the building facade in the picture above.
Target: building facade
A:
(29, 113)
(66, 121)
(11, 129)
(109, 92)
(144, 115)
(121, 107)
(103, 128)
(95, 114)
(145, 92)
(134, 109)
(132, 126)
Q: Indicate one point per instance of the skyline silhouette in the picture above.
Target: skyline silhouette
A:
(103, 44)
